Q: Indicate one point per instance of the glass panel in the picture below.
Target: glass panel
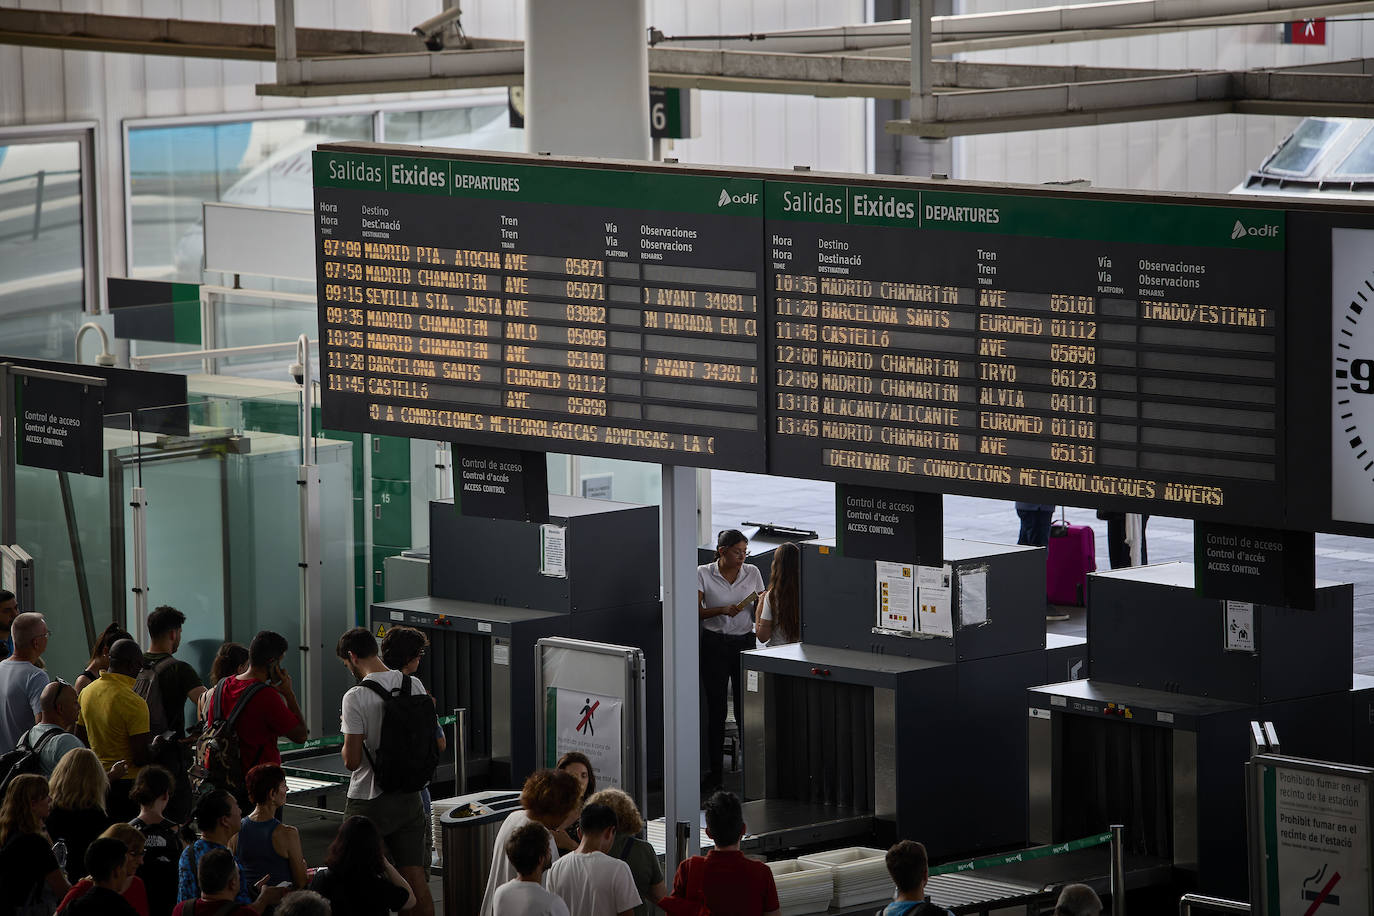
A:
(1360, 162)
(1303, 146)
(42, 279)
(43, 512)
(629, 481)
(479, 127)
(173, 170)
(224, 530)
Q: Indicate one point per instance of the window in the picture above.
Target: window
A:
(174, 169)
(46, 220)
(175, 166)
(1360, 162)
(1303, 146)
(481, 127)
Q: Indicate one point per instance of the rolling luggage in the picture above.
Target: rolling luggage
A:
(1072, 555)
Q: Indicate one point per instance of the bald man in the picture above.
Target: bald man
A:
(1078, 900)
(21, 681)
(57, 712)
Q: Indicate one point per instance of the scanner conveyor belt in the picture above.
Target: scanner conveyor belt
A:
(963, 893)
(1084, 866)
(776, 825)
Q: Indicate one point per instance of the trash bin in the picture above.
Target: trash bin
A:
(469, 834)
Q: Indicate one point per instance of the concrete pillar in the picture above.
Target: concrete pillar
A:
(587, 78)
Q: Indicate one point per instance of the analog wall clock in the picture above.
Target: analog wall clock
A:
(1352, 383)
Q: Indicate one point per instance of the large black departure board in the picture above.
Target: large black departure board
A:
(582, 310)
(1062, 349)
(1199, 357)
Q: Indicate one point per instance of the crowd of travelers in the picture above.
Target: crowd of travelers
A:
(138, 789)
(114, 801)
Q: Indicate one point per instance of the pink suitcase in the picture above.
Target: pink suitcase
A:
(1072, 555)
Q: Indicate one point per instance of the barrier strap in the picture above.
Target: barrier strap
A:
(311, 744)
(1024, 855)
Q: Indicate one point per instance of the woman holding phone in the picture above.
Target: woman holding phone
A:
(727, 590)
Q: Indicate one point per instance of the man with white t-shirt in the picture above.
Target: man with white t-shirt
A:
(399, 816)
(528, 852)
(589, 881)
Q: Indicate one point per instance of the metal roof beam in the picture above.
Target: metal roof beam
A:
(1148, 98)
(186, 38)
(1043, 25)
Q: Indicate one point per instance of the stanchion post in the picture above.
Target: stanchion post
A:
(460, 751)
(1118, 871)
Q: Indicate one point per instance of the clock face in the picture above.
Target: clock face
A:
(1352, 382)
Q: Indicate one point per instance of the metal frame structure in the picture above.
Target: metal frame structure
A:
(634, 754)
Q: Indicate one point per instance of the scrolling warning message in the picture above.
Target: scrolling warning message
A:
(594, 311)
(1108, 353)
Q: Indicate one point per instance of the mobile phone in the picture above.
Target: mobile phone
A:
(750, 599)
(274, 675)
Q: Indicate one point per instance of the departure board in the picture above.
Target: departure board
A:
(1052, 347)
(593, 311)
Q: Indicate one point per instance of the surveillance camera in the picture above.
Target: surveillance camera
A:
(298, 373)
(432, 29)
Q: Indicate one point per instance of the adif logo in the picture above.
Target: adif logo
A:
(1240, 231)
(726, 199)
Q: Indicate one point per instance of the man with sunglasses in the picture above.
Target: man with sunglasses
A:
(21, 681)
(57, 710)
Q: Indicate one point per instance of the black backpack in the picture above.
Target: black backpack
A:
(406, 759)
(23, 759)
(218, 762)
(146, 686)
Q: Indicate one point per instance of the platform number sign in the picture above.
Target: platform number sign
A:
(1352, 391)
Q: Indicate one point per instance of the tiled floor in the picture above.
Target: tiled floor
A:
(737, 498)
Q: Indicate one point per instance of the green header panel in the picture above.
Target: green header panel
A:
(1027, 215)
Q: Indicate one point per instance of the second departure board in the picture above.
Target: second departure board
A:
(596, 311)
(1058, 348)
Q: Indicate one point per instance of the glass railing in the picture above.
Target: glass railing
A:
(219, 476)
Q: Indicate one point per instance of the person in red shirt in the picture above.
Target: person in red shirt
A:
(725, 881)
(135, 892)
(270, 713)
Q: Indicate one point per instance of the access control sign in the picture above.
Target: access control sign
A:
(59, 425)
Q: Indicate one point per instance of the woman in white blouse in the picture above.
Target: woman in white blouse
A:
(779, 616)
(727, 591)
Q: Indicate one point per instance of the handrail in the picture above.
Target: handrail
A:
(140, 362)
(1216, 904)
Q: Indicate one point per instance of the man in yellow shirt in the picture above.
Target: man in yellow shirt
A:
(114, 722)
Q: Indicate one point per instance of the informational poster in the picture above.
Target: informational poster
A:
(933, 598)
(553, 551)
(896, 597)
(973, 596)
(1240, 626)
(586, 722)
(1316, 824)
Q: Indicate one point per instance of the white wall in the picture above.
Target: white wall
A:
(1208, 154)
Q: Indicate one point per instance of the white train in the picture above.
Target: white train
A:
(1326, 157)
